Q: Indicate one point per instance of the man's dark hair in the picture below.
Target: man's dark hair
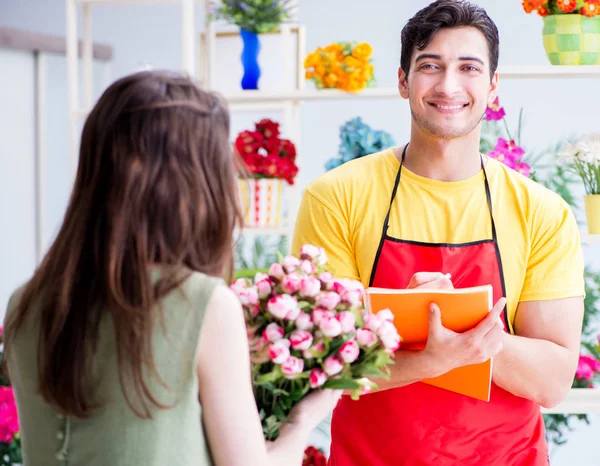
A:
(444, 14)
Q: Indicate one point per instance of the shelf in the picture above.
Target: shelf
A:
(131, 2)
(578, 401)
(507, 72)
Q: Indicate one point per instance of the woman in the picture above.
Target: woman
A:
(128, 320)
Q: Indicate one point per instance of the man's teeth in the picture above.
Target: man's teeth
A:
(449, 107)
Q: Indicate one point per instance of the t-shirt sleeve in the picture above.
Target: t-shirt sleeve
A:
(555, 268)
(324, 226)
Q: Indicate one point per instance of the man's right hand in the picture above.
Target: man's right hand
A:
(447, 349)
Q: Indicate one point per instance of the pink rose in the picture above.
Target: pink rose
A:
(280, 306)
(304, 321)
(291, 283)
(290, 263)
(331, 327)
(301, 340)
(320, 314)
(308, 267)
(385, 314)
(276, 271)
(333, 365)
(317, 378)
(328, 300)
(322, 259)
(372, 322)
(279, 351)
(264, 288)
(249, 296)
(293, 314)
(347, 284)
(292, 367)
(347, 320)
(349, 351)
(317, 350)
(310, 287)
(308, 251)
(366, 338)
(352, 297)
(391, 341)
(327, 279)
(260, 277)
(272, 333)
(239, 285)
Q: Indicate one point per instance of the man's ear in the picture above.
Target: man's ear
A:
(493, 89)
(402, 83)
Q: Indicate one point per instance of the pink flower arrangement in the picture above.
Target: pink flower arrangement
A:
(507, 150)
(9, 420)
(309, 330)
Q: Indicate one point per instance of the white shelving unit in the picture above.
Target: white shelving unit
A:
(578, 400)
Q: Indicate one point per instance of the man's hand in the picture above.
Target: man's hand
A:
(447, 349)
(431, 280)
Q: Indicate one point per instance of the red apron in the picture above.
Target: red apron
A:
(421, 425)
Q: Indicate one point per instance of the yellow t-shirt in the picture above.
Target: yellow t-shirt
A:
(344, 210)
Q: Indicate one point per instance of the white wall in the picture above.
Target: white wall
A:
(143, 35)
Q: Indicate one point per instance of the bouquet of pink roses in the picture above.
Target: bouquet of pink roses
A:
(310, 330)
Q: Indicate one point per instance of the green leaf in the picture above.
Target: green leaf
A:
(341, 384)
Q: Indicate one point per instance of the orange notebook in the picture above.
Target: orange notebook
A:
(461, 310)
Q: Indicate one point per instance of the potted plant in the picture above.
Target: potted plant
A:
(583, 157)
(571, 30)
(253, 17)
(269, 161)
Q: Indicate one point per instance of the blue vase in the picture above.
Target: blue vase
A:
(250, 59)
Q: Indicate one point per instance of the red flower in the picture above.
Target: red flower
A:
(314, 457)
(268, 128)
(265, 154)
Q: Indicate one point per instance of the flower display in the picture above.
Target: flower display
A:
(342, 65)
(505, 150)
(583, 157)
(587, 8)
(358, 139)
(309, 330)
(265, 154)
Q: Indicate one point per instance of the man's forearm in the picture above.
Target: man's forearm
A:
(409, 367)
(536, 369)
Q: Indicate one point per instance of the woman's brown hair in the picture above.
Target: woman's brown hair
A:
(155, 186)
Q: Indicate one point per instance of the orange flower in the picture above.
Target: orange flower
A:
(362, 51)
(566, 6)
(543, 10)
(533, 5)
(591, 8)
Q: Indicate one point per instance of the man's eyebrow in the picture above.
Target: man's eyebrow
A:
(435, 56)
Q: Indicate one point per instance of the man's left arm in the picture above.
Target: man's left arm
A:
(539, 362)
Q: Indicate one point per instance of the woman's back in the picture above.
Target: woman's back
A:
(113, 434)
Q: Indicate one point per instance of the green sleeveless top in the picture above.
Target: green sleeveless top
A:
(113, 434)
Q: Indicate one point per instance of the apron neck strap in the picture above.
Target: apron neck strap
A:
(488, 195)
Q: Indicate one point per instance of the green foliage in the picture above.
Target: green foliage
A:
(258, 16)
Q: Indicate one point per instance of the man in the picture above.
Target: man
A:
(407, 216)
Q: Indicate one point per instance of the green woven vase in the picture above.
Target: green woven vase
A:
(572, 39)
